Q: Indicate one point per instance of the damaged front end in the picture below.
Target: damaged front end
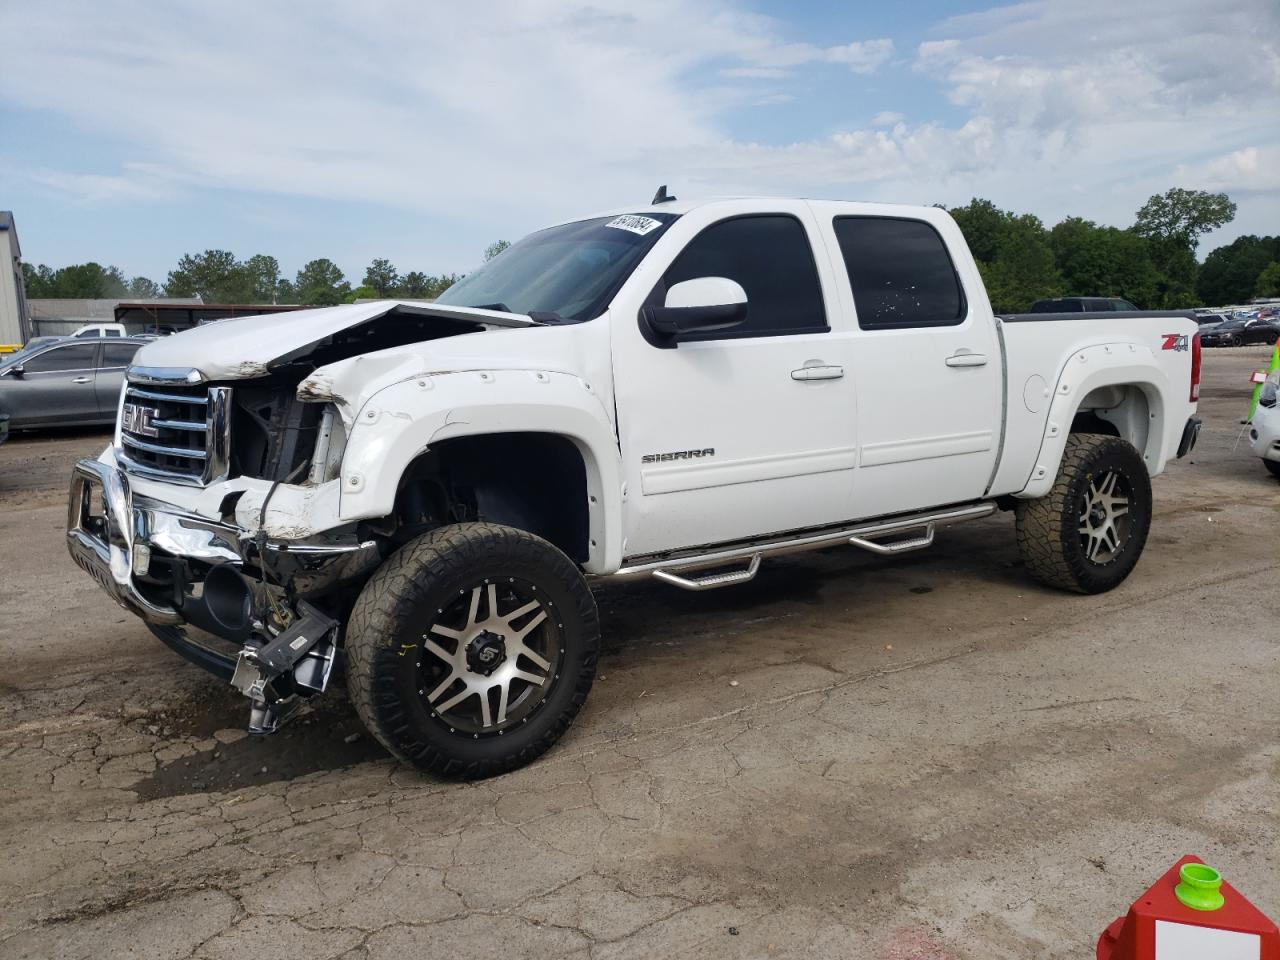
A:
(215, 514)
(247, 593)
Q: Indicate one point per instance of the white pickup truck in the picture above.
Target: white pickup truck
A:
(426, 491)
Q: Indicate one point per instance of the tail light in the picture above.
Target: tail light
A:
(1195, 368)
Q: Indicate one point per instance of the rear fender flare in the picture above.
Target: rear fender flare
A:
(1086, 370)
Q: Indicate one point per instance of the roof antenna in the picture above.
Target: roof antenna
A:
(661, 196)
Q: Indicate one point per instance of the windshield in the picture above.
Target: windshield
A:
(569, 272)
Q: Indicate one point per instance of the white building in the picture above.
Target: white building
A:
(13, 302)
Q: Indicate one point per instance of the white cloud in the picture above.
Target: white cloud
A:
(520, 111)
(864, 57)
(1250, 169)
(516, 100)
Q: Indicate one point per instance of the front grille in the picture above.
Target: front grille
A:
(175, 431)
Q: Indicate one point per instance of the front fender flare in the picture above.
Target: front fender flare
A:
(401, 421)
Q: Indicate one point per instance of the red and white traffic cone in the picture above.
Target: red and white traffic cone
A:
(1191, 913)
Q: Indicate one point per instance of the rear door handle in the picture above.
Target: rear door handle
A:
(817, 373)
(83, 380)
(966, 359)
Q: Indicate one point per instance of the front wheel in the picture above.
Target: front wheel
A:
(1088, 532)
(1273, 467)
(472, 649)
(1237, 341)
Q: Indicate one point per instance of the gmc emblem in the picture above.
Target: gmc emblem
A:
(139, 419)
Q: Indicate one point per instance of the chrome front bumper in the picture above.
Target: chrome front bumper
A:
(111, 534)
(102, 530)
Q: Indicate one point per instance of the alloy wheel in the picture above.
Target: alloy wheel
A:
(1104, 521)
(490, 657)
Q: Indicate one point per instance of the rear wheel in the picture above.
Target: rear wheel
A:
(472, 649)
(1088, 532)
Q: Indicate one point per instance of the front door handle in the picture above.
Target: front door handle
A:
(966, 359)
(83, 380)
(817, 373)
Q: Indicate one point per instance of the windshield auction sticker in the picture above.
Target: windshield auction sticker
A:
(635, 224)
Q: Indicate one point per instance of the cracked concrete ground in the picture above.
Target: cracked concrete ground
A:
(928, 758)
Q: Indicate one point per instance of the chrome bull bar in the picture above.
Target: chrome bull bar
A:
(102, 544)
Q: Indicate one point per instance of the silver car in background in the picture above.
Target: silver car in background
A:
(66, 382)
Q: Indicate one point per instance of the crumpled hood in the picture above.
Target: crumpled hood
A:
(578, 350)
(248, 347)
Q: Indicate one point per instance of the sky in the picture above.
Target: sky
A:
(421, 131)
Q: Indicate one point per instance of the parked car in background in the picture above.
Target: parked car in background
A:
(4, 427)
(1264, 433)
(1210, 319)
(1081, 305)
(92, 330)
(1239, 333)
(160, 329)
(70, 382)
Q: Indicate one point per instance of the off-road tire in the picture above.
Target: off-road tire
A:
(1049, 528)
(1273, 466)
(385, 636)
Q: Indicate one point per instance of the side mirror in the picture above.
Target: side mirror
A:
(705, 303)
(17, 371)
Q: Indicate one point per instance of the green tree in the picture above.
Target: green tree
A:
(1173, 222)
(415, 285)
(1013, 255)
(140, 288)
(1182, 216)
(1104, 261)
(215, 276)
(262, 275)
(982, 224)
(381, 277)
(1229, 273)
(1269, 281)
(36, 281)
(321, 283)
(80, 281)
(362, 293)
(1023, 270)
(495, 248)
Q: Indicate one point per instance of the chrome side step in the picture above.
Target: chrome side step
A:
(673, 570)
(713, 580)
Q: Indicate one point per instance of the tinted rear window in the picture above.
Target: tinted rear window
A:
(118, 354)
(78, 356)
(901, 273)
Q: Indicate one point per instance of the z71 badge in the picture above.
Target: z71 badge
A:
(1176, 341)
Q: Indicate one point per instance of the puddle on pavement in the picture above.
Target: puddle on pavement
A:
(328, 737)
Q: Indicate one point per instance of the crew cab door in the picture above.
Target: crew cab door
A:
(927, 360)
(734, 433)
